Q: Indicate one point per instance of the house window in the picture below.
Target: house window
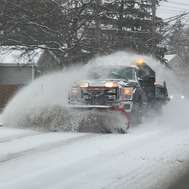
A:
(38, 73)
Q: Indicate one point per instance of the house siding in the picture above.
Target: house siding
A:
(15, 75)
(13, 78)
(6, 93)
(17, 70)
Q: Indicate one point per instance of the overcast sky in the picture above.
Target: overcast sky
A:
(172, 8)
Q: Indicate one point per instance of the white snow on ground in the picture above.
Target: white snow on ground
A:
(1, 121)
(149, 156)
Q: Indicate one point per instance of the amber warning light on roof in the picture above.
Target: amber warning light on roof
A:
(140, 62)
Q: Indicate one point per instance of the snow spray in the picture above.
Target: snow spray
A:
(45, 99)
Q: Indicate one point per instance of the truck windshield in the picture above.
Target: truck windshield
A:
(126, 73)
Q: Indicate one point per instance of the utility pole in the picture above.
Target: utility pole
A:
(98, 26)
(153, 23)
(120, 24)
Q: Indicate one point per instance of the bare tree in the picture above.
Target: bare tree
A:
(178, 40)
(76, 30)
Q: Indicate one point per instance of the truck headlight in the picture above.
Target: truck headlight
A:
(111, 84)
(84, 85)
(74, 91)
(73, 94)
(128, 91)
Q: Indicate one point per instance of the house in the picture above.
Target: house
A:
(19, 66)
(180, 70)
(175, 62)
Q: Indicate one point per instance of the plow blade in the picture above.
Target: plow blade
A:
(104, 119)
(96, 119)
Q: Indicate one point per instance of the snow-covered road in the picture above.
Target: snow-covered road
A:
(147, 157)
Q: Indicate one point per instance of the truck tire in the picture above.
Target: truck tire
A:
(136, 114)
(157, 107)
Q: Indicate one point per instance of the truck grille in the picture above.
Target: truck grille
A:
(99, 96)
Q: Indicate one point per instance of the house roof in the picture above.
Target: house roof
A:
(169, 57)
(19, 55)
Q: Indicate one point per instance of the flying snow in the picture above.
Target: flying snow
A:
(44, 101)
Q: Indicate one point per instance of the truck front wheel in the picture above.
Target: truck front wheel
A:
(136, 114)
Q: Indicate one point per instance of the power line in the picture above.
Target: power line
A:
(173, 18)
(175, 7)
(166, 12)
(178, 3)
(172, 10)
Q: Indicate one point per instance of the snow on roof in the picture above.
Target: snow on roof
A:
(169, 57)
(19, 55)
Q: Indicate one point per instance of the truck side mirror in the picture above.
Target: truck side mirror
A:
(164, 84)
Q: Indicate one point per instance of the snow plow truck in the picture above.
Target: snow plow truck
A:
(124, 93)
